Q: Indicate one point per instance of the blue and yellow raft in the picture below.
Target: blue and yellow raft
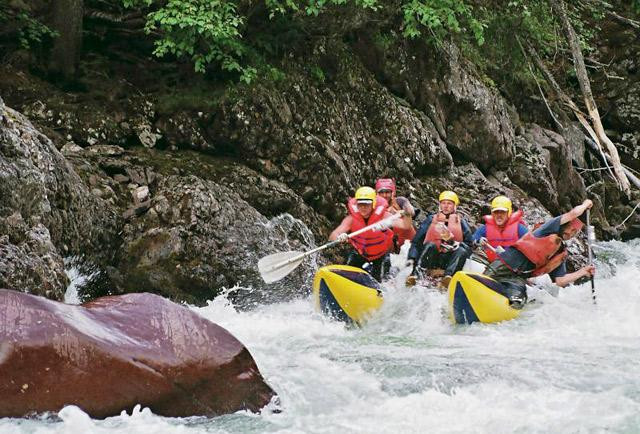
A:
(346, 293)
(474, 297)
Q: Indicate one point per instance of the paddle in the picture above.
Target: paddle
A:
(591, 237)
(277, 265)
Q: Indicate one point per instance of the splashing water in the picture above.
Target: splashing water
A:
(286, 227)
(564, 366)
(78, 276)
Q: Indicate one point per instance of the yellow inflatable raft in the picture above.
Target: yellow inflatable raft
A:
(346, 293)
(475, 297)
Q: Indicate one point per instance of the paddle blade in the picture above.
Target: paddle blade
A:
(274, 267)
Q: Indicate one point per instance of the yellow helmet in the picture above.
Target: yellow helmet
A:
(366, 195)
(501, 203)
(449, 195)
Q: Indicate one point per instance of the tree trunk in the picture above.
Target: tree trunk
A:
(585, 86)
(594, 148)
(66, 19)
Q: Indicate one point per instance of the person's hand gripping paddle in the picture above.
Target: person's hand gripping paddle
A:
(278, 265)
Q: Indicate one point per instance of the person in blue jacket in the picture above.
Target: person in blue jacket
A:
(442, 241)
(502, 228)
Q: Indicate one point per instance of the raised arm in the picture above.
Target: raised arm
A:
(576, 212)
(408, 208)
(403, 222)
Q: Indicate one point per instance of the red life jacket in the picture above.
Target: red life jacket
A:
(546, 253)
(401, 235)
(371, 244)
(505, 236)
(453, 224)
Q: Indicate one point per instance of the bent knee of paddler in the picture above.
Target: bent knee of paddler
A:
(430, 246)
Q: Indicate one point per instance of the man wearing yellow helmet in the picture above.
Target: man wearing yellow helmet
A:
(372, 246)
(443, 240)
(540, 252)
(501, 229)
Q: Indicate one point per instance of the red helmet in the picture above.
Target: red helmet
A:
(386, 184)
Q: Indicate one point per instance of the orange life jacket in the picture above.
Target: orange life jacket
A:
(546, 253)
(453, 224)
(371, 244)
(505, 236)
(401, 235)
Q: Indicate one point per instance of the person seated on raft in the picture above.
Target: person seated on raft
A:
(443, 240)
(372, 246)
(501, 229)
(386, 188)
(540, 252)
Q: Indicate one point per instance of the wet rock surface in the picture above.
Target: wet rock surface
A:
(116, 352)
(32, 263)
(543, 167)
(195, 238)
(182, 201)
(46, 211)
(324, 138)
(474, 121)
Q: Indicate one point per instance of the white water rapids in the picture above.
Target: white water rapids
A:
(564, 366)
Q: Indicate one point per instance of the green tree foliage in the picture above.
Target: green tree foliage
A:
(211, 31)
(205, 31)
(214, 32)
(508, 26)
(23, 27)
(312, 7)
(512, 25)
(440, 18)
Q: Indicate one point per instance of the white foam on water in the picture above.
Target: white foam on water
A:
(564, 366)
(76, 279)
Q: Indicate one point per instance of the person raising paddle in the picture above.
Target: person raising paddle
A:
(540, 252)
(372, 246)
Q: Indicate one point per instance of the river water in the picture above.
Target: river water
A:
(564, 366)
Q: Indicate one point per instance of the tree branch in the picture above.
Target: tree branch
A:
(604, 158)
(585, 85)
(133, 20)
(570, 104)
(546, 103)
(628, 21)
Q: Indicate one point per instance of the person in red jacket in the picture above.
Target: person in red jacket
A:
(372, 246)
(501, 229)
(540, 252)
(442, 241)
(386, 188)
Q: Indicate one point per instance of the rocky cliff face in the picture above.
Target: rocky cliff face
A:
(186, 223)
(46, 211)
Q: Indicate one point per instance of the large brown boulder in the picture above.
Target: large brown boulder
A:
(115, 352)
